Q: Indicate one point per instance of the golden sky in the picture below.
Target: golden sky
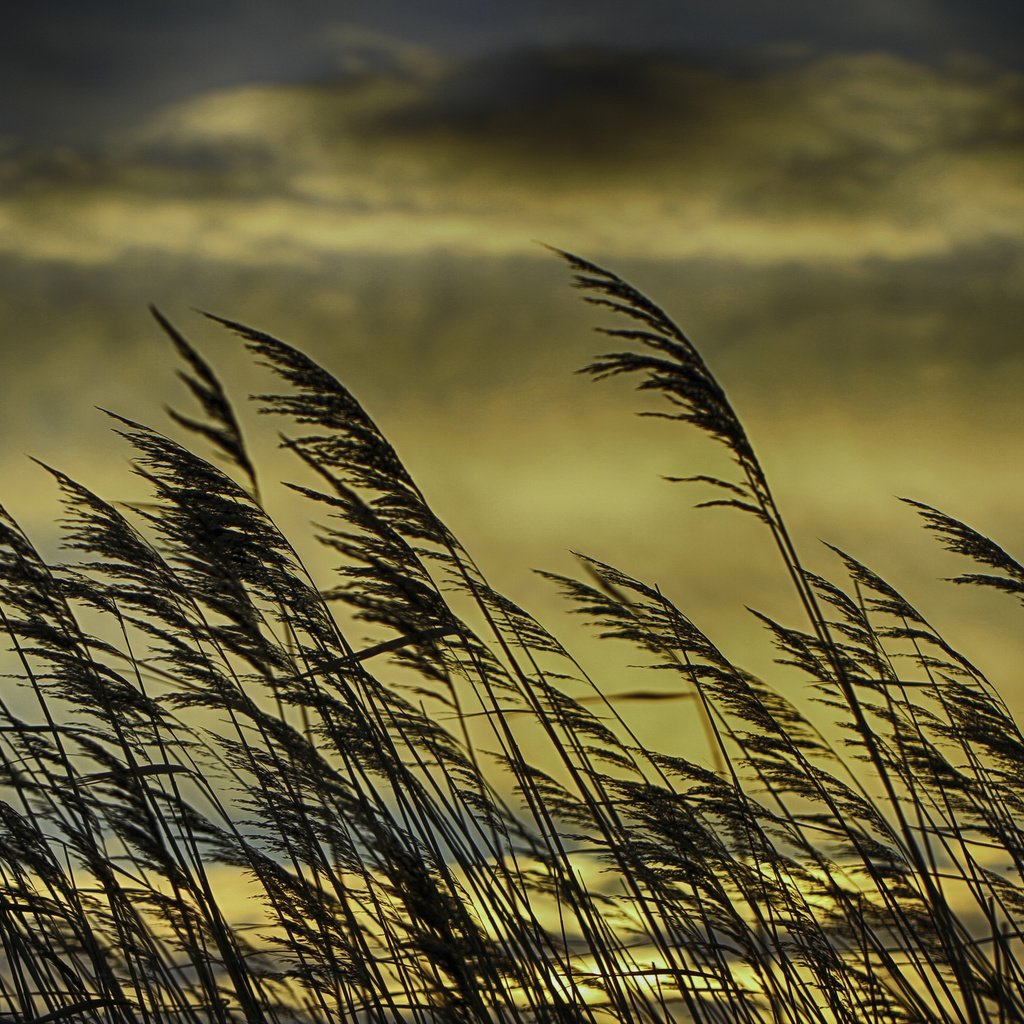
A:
(839, 227)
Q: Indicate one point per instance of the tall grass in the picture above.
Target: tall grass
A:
(451, 824)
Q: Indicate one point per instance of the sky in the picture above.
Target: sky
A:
(828, 197)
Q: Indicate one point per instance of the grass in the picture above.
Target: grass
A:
(217, 807)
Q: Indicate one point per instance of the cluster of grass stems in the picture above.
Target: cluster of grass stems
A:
(450, 823)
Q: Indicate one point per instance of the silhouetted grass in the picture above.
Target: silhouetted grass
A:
(452, 823)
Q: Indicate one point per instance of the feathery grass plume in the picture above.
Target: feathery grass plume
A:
(961, 539)
(222, 429)
(448, 819)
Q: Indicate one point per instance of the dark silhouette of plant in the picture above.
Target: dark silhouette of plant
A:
(452, 822)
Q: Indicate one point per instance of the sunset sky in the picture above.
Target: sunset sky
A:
(828, 197)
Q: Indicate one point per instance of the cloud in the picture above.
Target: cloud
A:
(838, 159)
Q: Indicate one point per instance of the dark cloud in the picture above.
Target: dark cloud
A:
(851, 121)
(559, 107)
(72, 69)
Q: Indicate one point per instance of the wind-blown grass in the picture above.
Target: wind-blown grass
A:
(452, 823)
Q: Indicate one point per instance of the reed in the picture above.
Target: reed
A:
(452, 823)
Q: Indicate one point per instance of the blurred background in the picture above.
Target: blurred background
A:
(828, 197)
